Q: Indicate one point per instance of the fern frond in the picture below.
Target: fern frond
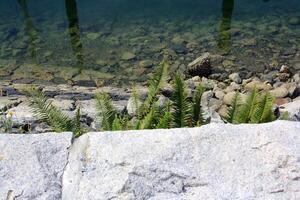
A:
(263, 110)
(116, 125)
(234, 109)
(165, 121)
(121, 122)
(197, 113)
(106, 111)
(52, 116)
(156, 82)
(182, 116)
(136, 102)
(149, 120)
(248, 107)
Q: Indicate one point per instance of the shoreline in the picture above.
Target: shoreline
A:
(215, 100)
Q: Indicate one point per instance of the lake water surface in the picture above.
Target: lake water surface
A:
(121, 41)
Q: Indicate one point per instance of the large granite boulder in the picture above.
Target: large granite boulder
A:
(216, 161)
(31, 166)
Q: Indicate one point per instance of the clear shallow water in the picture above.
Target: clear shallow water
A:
(119, 41)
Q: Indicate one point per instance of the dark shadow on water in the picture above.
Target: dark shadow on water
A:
(29, 28)
(224, 42)
(74, 30)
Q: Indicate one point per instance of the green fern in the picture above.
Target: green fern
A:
(256, 109)
(180, 104)
(156, 82)
(263, 110)
(136, 102)
(166, 120)
(234, 109)
(106, 111)
(116, 124)
(149, 120)
(52, 116)
(248, 107)
(121, 122)
(197, 113)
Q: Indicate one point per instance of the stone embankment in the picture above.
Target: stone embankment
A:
(215, 161)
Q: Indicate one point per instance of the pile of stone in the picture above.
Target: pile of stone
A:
(282, 84)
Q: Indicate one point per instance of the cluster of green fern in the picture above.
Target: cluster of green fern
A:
(180, 111)
(51, 115)
(256, 109)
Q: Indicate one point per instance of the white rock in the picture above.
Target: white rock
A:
(258, 85)
(31, 166)
(216, 161)
(6, 102)
(228, 98)
(220, 94)
(63, 104)
(89, 108)
(232, 87)
(293, 110)
(22, 114)
(296, 78)
(279, 92)
(235, 77)
(133, 105)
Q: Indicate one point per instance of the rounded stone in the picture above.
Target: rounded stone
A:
(279, 92)
(228, 98)
(235, 77)
(128, 56)
(220, 94)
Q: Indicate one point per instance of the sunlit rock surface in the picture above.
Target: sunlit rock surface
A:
(216, 161)
(31, 166)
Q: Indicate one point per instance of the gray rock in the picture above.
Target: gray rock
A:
(258, 85)
(93, 36)
(296, 78)
(128, 56)
(297, 66)
(235, 77)
(293, 110)
(146, 63)
(63, 104)
(89, 107)
(31, 166)
(22, 114)
(115, 93)
(215, 104)
(7, 102)
(228, 98)
(201, 66)
(220, 94)
(179, 48)
(132, 105)
(215, 161)
(232, 87)
(279, 92)
(207, 83)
